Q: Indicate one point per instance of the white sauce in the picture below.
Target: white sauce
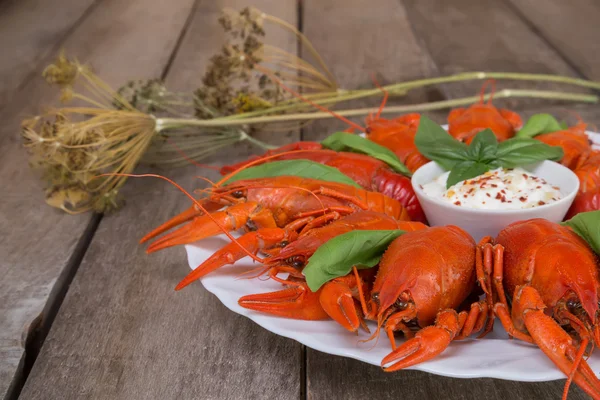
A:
(498, 189)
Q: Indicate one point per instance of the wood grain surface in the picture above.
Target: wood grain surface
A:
(135, 337)
(30, 31)
(576, 42)
(39, 251)
(466, 35)
(122, 332)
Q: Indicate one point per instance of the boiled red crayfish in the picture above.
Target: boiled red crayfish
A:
(550, 276)
(574, 142)
(465, 123)
(398, 135)
(336, 299)
(588, 198)
(368, 172)
(286, 201)
(423, 277)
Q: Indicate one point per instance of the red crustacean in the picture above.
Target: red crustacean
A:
(588, 198)
(574, 142)
(423, 277)
(586, 201)
(465, 123)
(368, 172)
(589, 173)
(398, 135)
(550, 276)
(337, 299)
(287, 201)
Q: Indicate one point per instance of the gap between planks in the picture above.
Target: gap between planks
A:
(39, 328)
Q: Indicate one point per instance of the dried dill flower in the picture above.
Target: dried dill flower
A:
(110, 135)
(72, 151)
(232, 84)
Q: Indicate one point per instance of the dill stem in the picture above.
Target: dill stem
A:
(168, 123)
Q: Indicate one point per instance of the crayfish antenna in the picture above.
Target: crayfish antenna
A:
(385, 96)
(232, 252)
(308, 101)
(492, 83)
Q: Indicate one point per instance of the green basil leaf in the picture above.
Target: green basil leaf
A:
(342, 141)
(301, 168)
(522, 151)
(436, 144)
(587, 225)
(538, 124)
(466, 170)
(337, 256)
(484, 146)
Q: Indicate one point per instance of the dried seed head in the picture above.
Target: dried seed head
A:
(63, 72)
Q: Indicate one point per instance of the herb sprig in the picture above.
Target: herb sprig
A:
(538, 124)
(360, 249)
(484, 153)
(587, 225)
(341, 141)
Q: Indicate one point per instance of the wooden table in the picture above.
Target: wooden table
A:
(85, 313)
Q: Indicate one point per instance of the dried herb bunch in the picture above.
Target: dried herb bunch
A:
(72, 145)
(112, 131)
(233, 85)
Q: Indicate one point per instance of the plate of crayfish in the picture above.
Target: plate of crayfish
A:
(326, 243)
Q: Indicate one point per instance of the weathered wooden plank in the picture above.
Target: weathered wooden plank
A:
(457, 38)
(571, 27)
(30, 30)
(40, 240)
(484, 35)
(358, 41)
(122, 332)
(356, 380)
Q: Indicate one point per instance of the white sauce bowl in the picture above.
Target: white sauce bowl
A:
(479, 223)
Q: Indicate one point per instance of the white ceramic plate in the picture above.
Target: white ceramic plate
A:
(494, 356)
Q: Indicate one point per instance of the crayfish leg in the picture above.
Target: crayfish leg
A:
(554, 341)
(427, 343)
(338, 302)
(296, 302)
(262, 239)
(233, 218)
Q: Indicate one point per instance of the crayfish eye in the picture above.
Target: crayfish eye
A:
(368, 130)
(296, 262)
(401, 304)
(375, 297)
(284, 243)
(238, 194)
